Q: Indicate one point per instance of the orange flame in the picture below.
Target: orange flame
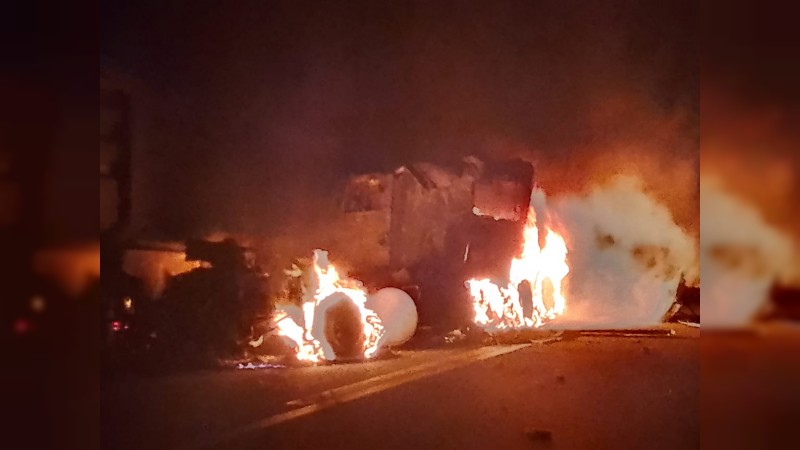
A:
(314, 348)
(500, 308)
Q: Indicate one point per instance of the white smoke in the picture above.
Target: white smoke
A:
(741, 257)
(626, 255)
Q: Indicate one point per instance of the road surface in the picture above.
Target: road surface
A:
(581, 392)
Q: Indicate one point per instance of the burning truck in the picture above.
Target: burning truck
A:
(480, 245)
(474, 248)
(423, 228)
(434, 248)
(322, 315)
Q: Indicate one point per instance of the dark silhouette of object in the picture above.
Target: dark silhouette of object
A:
(208, 313)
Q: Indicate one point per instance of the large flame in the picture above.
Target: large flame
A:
(314, 347)
(500, 308)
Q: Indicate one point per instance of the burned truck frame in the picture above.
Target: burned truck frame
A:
(426, 228)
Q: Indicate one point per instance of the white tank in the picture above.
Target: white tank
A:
(397, 312)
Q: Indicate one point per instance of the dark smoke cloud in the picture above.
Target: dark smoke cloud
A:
(276, 102)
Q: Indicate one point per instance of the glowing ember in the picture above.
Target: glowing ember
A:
(311, 343)
(499, 308)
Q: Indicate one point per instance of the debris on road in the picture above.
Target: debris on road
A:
(453, 336)
(256, 362)
(253, 366)
(469, 335)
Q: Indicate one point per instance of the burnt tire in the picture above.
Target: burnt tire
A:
(344, 331)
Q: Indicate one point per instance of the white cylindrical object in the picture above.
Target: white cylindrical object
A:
(398, 315)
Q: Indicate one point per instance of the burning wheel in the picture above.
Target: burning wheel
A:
(344, 331)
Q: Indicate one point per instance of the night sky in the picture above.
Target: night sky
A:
(270, 104)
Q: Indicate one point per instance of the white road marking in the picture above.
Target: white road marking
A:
(354, 391)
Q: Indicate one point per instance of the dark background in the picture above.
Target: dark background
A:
(273, 103)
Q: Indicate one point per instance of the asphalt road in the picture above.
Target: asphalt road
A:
(581, 392)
